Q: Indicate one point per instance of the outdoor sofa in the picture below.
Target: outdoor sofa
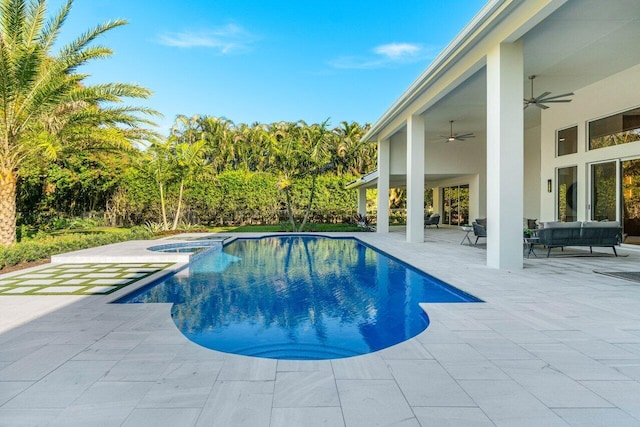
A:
(577, 233)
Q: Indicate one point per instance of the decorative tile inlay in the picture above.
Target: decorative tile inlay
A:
(78, 279)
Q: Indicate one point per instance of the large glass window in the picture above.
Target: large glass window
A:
(567, 191)
(455, 205)
(567, 141)
(615, 130)
(631, 201)
(603, 191)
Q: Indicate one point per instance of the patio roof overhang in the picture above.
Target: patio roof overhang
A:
(569, 44)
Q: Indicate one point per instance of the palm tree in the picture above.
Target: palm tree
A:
(44, 104)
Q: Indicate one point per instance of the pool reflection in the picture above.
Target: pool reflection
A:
(298, 297)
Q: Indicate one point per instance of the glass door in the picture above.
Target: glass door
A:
(455, 205)
(630, 173)
(604, 191)
(615, 195)
(567, 192)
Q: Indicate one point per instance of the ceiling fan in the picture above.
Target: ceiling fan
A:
(542, 99)
(456, 137)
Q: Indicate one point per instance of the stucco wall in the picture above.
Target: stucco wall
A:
(612, 95)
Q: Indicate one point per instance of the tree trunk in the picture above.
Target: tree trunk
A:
(290, 209)
(8, 180)
(165, 224)
(311, 194)
(177, 217)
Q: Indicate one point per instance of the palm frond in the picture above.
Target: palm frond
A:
(51, 28)
(78, 45)
(34, 22)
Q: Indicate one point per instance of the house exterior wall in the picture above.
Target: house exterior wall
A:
(615, 94)
(532, 180)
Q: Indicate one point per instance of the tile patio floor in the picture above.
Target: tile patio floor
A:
(553, 345)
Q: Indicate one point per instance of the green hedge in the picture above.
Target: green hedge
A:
(41, 248)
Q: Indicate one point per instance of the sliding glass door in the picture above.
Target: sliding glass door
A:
(455, 205)
(567, 192)
(631, 200)
(615, 195)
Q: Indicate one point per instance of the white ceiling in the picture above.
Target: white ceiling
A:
(579, 44)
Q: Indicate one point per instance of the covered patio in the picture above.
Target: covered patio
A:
(516, 165)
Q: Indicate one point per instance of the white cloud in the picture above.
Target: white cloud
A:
(398, 50)
(384, 56)
(227, 39)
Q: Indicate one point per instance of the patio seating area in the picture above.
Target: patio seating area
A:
(554, 344)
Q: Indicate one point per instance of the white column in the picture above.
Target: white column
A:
(505, 156)
(415, 179)
(382, 225)
(362, 201)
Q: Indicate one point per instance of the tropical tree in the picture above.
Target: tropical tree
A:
(45, 105)
(299, 150)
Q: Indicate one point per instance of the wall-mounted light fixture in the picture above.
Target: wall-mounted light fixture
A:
(548, 186)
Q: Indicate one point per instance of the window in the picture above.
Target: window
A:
(568, 194)
(455, 205)
(615, 130)
(567, 142)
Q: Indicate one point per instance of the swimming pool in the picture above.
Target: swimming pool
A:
(298, 297)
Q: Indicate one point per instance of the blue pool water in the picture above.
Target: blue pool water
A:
(298, 297)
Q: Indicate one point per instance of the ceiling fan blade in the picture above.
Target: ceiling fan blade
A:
(542, 95)
(542, 106)
(466, 135)
(555, 100)
(564, 95)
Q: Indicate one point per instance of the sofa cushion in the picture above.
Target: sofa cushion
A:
(559, 224)
(607, 224)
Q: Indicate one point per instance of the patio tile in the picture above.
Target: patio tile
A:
(305, 389)
(59, 289)
(623, 394)
(304, 366)
(103, 404)
(366, 367)
(184, 384)
(308, 417)
(75, 281)
(100, 275)
(573, 363)
(367, 403)
(62, 386)
(34, 282)
(238, 368)
(238, 404)
(551, 387)
(451, 417)
(110, 281)
(32, 417)
(137, 370)
(157, 417)
(597, 417)
(507, 403)
(38, 364)
(99, 289)
(36, 275)
(426, 383)
(10, 389)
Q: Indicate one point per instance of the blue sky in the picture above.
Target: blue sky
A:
(266, 61)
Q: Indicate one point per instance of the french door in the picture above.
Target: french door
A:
(615, 195)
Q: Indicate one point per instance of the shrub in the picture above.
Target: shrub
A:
(43, 247)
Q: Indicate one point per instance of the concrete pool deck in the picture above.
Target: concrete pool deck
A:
(553, 344)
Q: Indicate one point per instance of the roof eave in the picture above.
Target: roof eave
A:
(468, 33)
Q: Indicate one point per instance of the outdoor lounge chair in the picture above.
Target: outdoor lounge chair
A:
(433, 219)
(480, 228)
